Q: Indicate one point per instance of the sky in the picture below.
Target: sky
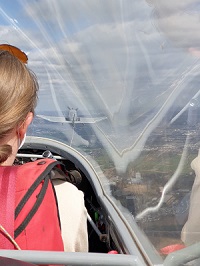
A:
(130, 61)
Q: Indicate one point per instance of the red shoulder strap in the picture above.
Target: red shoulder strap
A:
(8, 182)
(7, 204)
(37, 172)
(36, 224)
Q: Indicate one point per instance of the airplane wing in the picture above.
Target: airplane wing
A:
(80, 120)
(89, 120)
(54, 118)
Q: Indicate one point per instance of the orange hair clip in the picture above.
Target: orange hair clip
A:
(15, 51)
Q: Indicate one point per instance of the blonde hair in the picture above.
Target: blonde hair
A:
(18, 97)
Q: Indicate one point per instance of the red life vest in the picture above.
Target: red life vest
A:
(36, 225)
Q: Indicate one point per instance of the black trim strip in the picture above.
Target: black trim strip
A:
(33, 187)
(37, 204)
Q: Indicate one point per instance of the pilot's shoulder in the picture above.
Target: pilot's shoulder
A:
(67, 189)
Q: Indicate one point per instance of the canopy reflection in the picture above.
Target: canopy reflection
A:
(130, 69)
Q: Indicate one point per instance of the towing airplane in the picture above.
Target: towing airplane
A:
(72, 118)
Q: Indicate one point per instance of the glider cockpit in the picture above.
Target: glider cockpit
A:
(128, 71)
(108, 233)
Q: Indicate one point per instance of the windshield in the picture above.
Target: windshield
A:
(119, 83)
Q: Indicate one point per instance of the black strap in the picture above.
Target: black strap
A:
(45, 175)
(35, 207)
(33, 187)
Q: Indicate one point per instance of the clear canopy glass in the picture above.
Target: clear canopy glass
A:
(119, 82)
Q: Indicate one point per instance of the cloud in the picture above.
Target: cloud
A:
(178, 21)
(108, 57)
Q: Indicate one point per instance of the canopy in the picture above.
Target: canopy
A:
(119, 83)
